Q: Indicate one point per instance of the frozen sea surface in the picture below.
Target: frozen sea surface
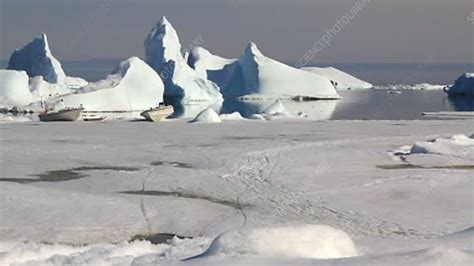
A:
(99, 183)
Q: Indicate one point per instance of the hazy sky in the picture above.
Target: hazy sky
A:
(406, 31)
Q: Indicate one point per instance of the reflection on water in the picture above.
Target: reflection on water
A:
(355, 105)
(409, 104)
(461, 103)
(315, 110)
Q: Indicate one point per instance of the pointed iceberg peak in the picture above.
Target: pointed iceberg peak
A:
(37, 59)
(252, 49)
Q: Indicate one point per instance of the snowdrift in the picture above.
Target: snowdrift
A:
(305, 241)
(257, 76)
(132, 86)
(342, 80)
(37, 60)
(464, 85)
(163, 54)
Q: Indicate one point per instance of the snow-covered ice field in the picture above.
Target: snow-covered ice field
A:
(78, 193)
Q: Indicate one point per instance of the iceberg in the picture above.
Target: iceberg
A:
(163, 54)
(257, 76)
(342, 80)
(226, 73)
(132, 86)
(464, 85)
(14, 89)
(270, 78)
(37, 60)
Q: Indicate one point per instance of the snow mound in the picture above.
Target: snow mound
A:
(265, 76)
(207, 116)
(342, 80)
(163, 54)
(457, 145)
(232, 116)
(37, 60)
(421, 87)
(277, 109)
(464, 85)
(305, 241)
(14, 89)
(132, 86)
(457, 150)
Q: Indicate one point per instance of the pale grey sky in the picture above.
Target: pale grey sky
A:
(399, 31)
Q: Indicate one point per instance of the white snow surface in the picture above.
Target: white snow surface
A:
(207, 116)
(37, 60)
(202, 181)
(132, 86)
(342, 79)
(464, 85)
(163, 53)
(301, 241)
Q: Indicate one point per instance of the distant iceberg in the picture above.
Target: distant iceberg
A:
(420, 87)
(132, 86)
(37, 60)
(464, 85)
(163, 54)
(257, 76)
(340, 79)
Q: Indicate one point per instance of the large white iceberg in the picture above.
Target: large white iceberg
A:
(464, 85)
(256, 75)
(14, 88)
(340, 79)
(226, 73)
(132, 86)
(163, 53)
(37, 60)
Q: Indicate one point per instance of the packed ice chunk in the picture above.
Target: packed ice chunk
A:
(14, 89)
(342, 80)
(163, 54)
(265, 76)
(37, 60)
(207, 116)
(464, 85)
(132, 86)
(300, 241)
